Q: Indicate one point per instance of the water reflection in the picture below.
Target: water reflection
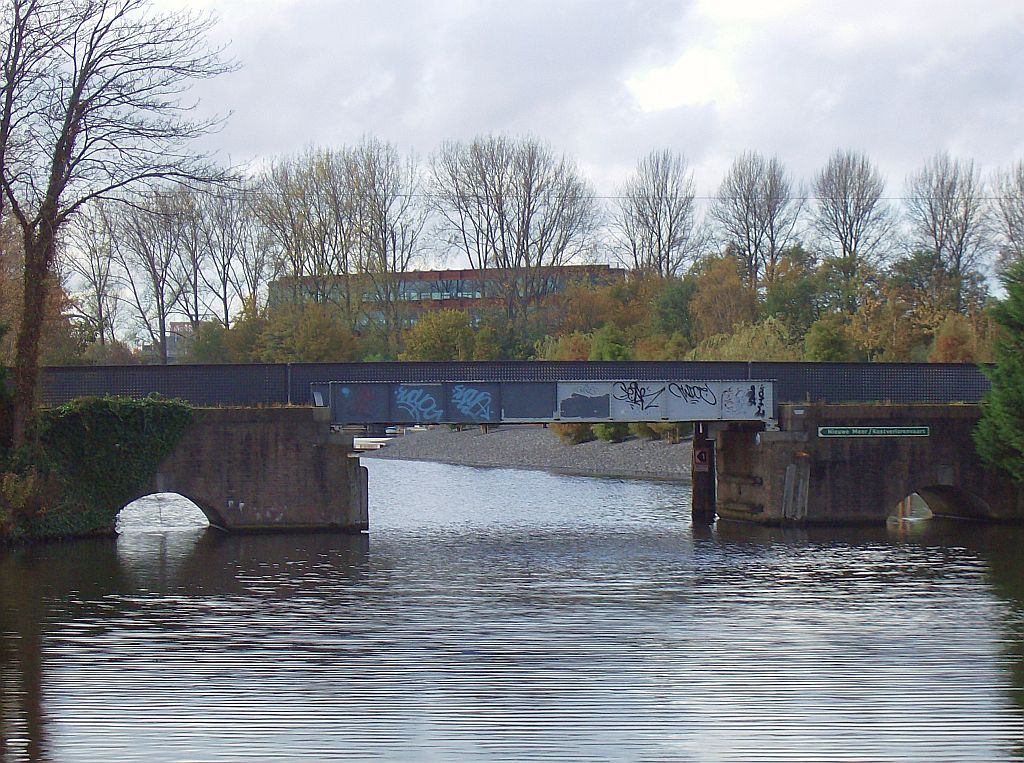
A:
(32, 581)
(500, 615)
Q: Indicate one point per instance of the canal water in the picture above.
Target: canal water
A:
(500, 615)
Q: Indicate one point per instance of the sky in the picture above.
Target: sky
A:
(608, 82)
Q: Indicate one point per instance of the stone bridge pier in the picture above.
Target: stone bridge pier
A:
(259, 469)
(852, 464)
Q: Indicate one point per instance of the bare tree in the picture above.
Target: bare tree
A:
(255, 262)
(757, 214)
(91, 101)
(391, 218)
(237, 258)
(512, 204)
(148, 237)
(736, 210)
(1008, 187)
(945, 207)
(306, 204)
(91, 262)
(186, 212)
(656, 229)
(222, 238)
(337, 214)
(281, 205)
(851, 216)
(457, 174)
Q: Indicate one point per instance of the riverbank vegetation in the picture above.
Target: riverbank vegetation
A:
(999, 437)
(82, 463)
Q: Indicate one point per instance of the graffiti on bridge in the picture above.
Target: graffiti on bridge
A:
(693, 393)
(640, 400)
(473, 402)
(420, 404)
(638, 396)
(583, 401)
(755, 399)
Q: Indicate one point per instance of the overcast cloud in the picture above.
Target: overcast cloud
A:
(609, 81)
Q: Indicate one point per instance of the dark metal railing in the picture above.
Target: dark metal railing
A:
(278, 384)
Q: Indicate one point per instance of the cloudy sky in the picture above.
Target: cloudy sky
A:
(608, 81)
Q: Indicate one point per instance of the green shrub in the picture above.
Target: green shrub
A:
(611, 432)
(85, 460)
(609, 343)
(644, 430)
(828, 340)
(999, 436)
(19, 498)
(670, 431)
(573, 434)
(673, 431)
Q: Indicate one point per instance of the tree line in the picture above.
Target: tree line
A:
(835, 248)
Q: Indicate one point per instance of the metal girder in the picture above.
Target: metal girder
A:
(591, 401)
(279, 384)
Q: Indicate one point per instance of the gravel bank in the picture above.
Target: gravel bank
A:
(532, 447)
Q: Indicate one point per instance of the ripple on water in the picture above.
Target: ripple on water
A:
(503, 615)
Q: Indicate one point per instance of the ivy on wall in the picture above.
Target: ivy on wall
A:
(86, 460)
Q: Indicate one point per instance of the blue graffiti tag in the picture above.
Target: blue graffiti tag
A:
(472, 402)
(418, 403)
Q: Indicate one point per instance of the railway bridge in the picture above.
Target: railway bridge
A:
(775, 443)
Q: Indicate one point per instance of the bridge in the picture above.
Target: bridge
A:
(774, 443)
(294, 383)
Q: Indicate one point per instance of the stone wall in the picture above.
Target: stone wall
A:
(795, 476)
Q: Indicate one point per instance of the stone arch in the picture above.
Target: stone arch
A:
(954, 501)
(948, 488)
(267, 469)
(205, 506)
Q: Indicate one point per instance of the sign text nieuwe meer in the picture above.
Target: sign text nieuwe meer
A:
(873, 431)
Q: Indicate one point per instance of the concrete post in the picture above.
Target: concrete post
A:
(702, 476)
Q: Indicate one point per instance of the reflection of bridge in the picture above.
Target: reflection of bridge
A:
(796, 442)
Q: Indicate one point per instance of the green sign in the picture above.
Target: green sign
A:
(873, 431)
